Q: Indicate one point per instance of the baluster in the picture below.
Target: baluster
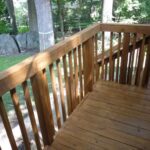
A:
(53, 81)
(31, 114)
(96, 58)
(88, 63)
(76, 76)
(61, 89)
(7, 126)
(71, 81)
(103, 47)
(140, 63)
(80, 72)
(124, 58)
(146, 73)
(106, 65)
(42, 102)
(130, 69)
(69, 106)
(118, 57)
(110, 57)
(15, 100)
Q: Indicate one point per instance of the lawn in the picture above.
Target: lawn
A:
(8, 61)
(5, 63)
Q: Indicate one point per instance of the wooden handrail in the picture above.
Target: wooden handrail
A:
(115, 49)
(129, 28)
(27, 68)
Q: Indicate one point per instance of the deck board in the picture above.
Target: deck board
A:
(111, 117)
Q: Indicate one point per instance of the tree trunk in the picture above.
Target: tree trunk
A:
(107, 11)
(60, 12)
(40, 20)
(10, 8)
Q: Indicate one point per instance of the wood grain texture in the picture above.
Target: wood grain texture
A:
(140, 63)
(61, 89)
(146, 72)
(67, 85)
(80, 58)
(103, 49)
(31, 114)
(118, 57)
(108, 122)
(42, 102)
(88, 48)
(15, 100)
(53, 81)
(7, 126)
(71, 82)
(124, 58)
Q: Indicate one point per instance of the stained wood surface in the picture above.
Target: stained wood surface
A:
(108, 118)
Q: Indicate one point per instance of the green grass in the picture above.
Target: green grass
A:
(8, 61)
(5, 63)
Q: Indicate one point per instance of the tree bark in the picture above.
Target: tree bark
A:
(107, 11)
(40, 20)
(10, 8)
(60, 12)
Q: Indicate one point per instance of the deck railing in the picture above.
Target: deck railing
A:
(75, 64)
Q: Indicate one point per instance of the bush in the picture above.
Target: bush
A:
(23, 29)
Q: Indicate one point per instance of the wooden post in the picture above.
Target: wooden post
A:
(140, 63)
(42, 101)
(146, 73)
(124, 57)
(88, 48)
(7, 126)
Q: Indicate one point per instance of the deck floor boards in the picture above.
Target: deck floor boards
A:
(111, 117)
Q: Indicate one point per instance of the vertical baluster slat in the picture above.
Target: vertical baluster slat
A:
(71, 81)
(103, 47)
(61, 89)
(110, 57)
(7, 126)
(124, 58)
(140, 63)
(96, 58)
(146, 73)
(69, 106)
(118, 57)
(88, 48)
(53, 81)
(16, 104)
(31, 114)
(76, 76)
(80, 72)
(106, 65)
(42, 102)
(131, 67)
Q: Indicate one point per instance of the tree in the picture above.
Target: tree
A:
(41, 21)
(61, 17)
(10, 8)
(107, 10)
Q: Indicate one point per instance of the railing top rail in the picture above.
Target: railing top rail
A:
(130, 28)
(18, 73)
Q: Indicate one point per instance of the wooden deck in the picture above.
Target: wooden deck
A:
(112, 117)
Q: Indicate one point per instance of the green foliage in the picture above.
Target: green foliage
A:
(23, 29)
(77, 14)
(5, 26)
(131, 11)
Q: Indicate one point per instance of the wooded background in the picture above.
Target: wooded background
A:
(72, 15)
